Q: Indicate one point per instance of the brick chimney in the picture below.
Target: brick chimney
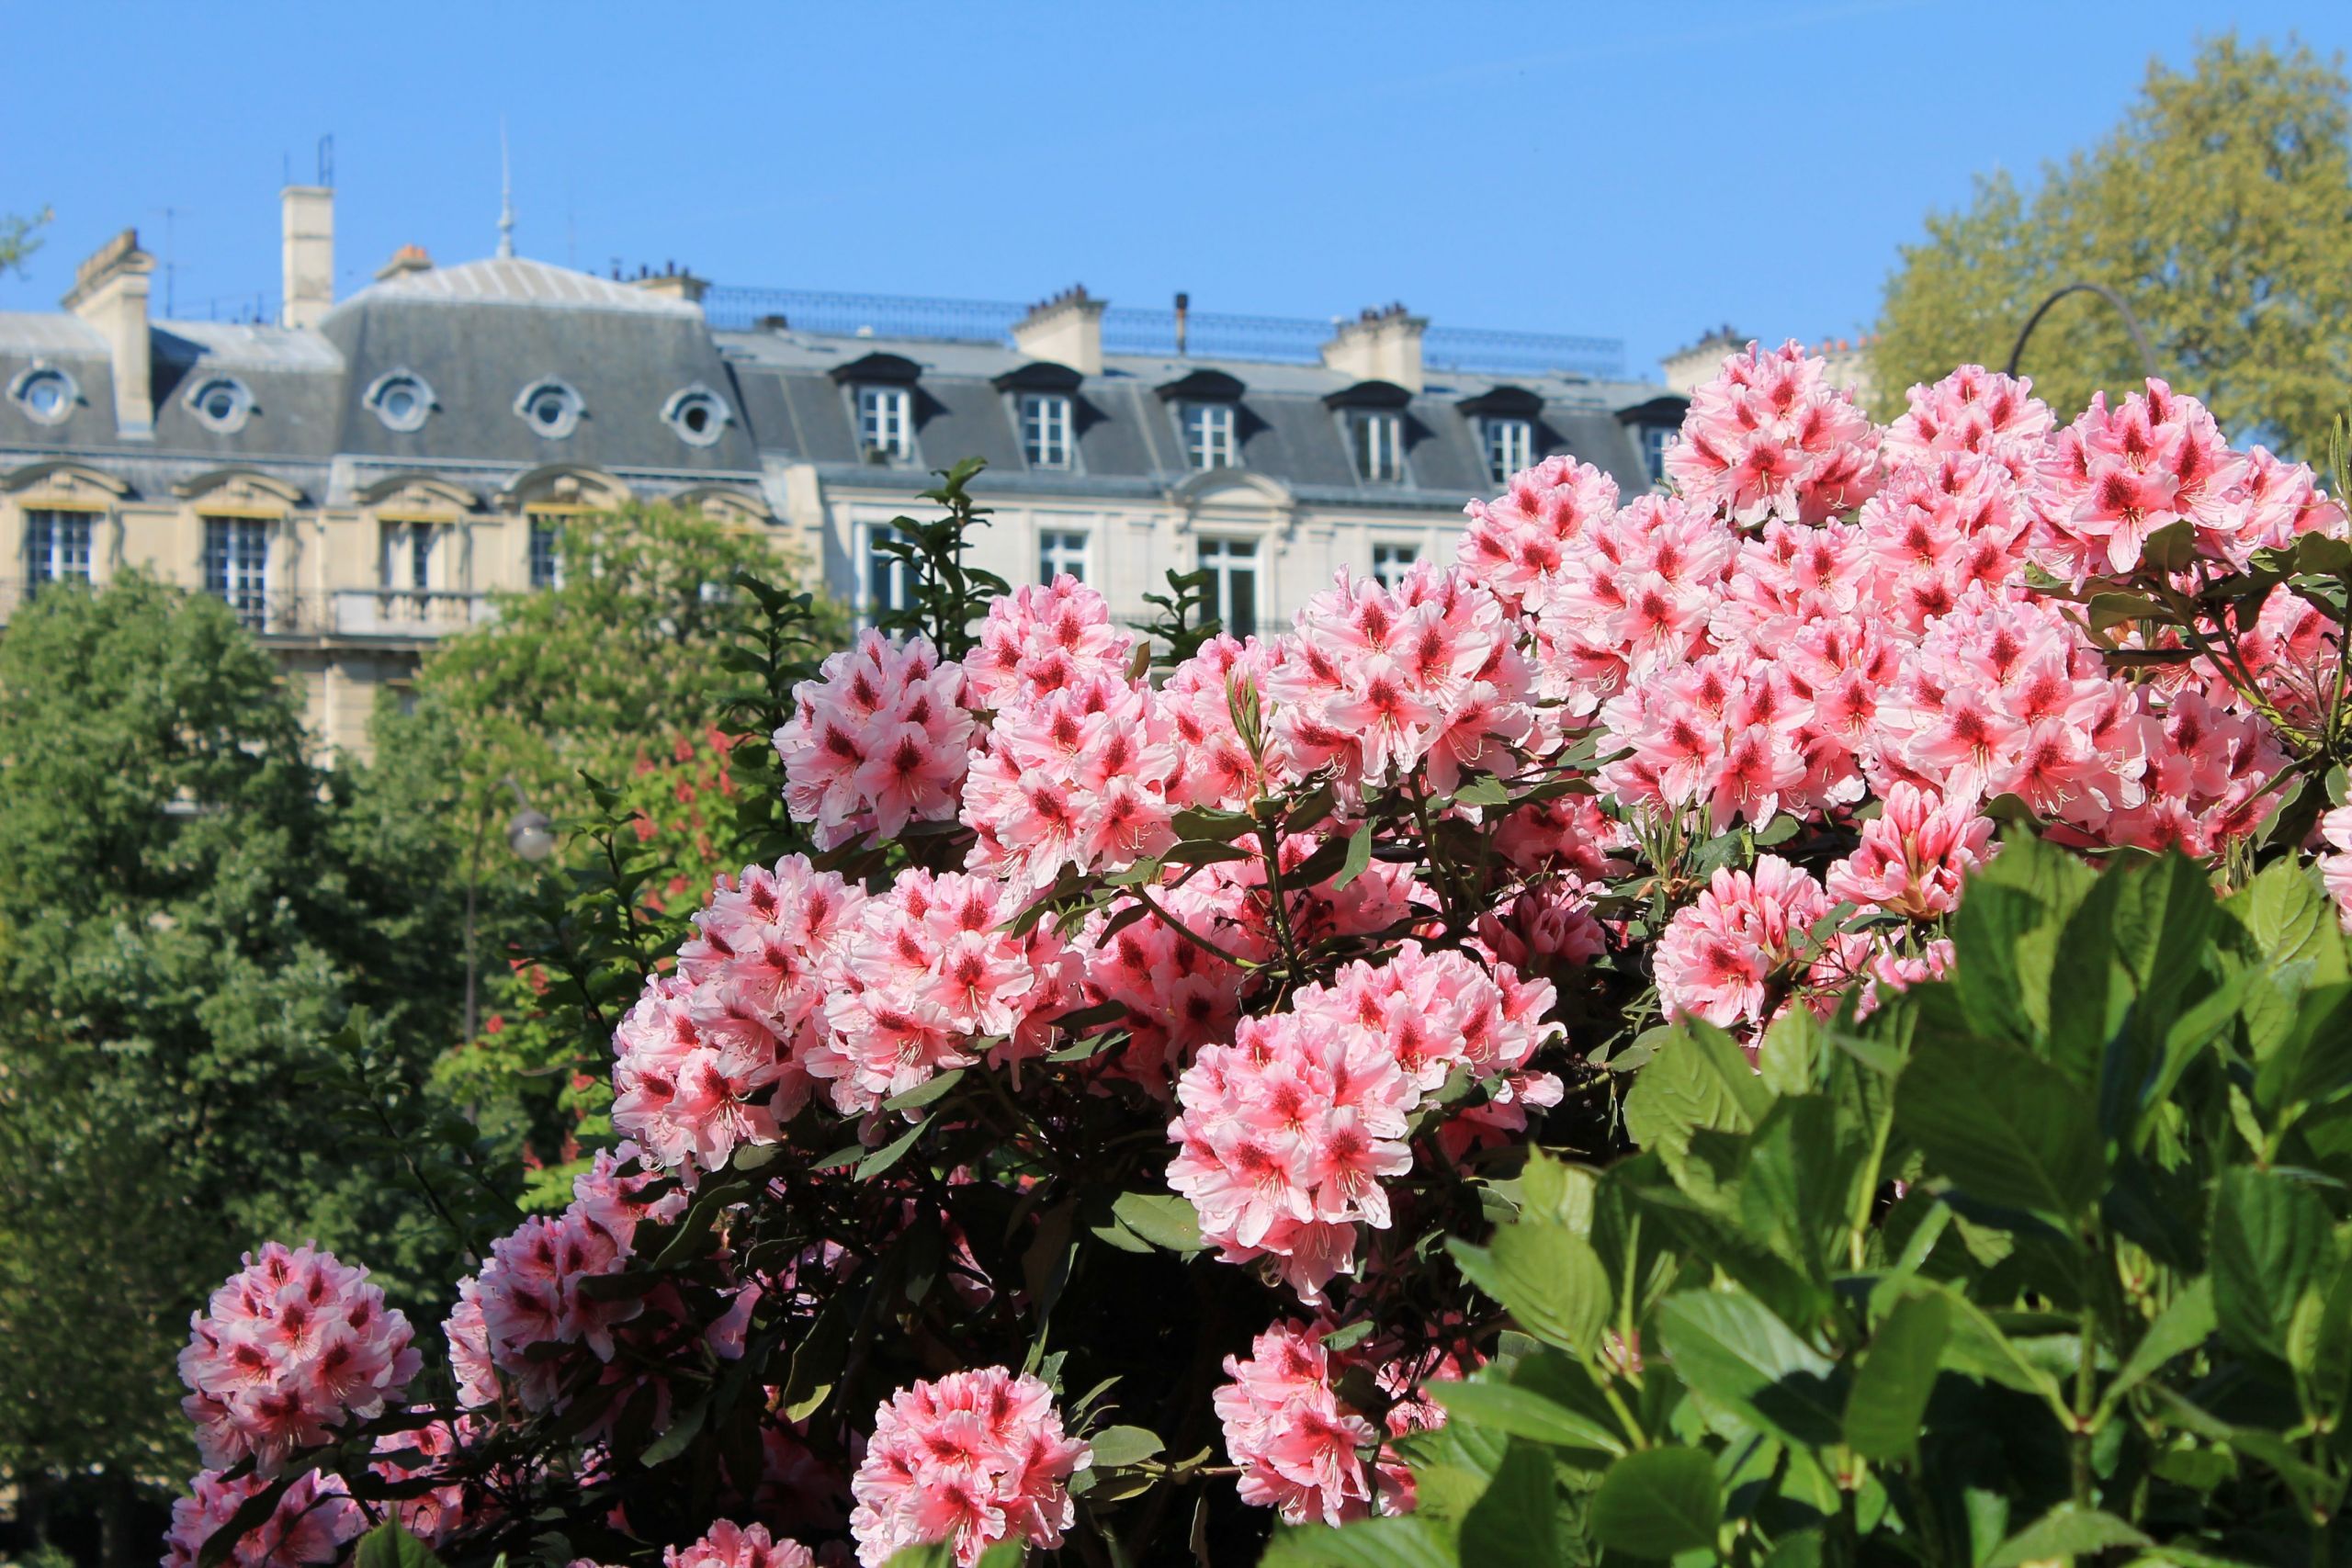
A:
(308, 212)
(1066, 329)
(674, 282)
(111, 293)
(1379, 345)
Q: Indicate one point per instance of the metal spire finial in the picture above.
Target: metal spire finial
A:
(506, 195)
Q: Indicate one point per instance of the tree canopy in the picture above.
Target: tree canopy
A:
(2219, 210)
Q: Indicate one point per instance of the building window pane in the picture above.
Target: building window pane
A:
(884, 422)
(1208, 435)
(57, 547)
(408, 564)
(1510, 446)
(1655, 439)
(236, 567)
(1061, 553)
(546, 553)
(1045, 430)
(887, 584)
(1234, 565)
(1390, 562)
(1379, 438)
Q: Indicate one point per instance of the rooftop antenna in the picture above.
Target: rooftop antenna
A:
(506, 195)
(327, 160)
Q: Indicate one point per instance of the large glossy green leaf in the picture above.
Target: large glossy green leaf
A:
(2002, 1125)
(2065, 1532)
(1406, 1543)
(2271, 1247)
(2178, 1329)
(1548, 1276)
(1730, 1348)
(1796, 1190)
(390, 1546)
(1657, 1504)
(1515, 1524)
(1525, 1412)
(1699, 1078)
(1889, 1398)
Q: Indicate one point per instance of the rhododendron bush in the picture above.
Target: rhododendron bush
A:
(1085, 1132)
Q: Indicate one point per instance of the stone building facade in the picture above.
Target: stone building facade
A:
(361, 477)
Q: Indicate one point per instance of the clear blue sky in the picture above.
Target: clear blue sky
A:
(1638, 171)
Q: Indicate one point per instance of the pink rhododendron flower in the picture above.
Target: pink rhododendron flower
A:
(312, 1525)
(1914, 855)
(1287, 1136)
(1728, 957)
(1768, 437)
(876, 741)
(2118, 474)
(290, 1348)
(1042, 638)
(1973, 409)
(2336, 870)
(1214, 766)
(730, 1545)
(973, 1458)
(1377, 682)
(1077, 777)
(1300, 1446)
(1516, 543)
(438, 1515)
(929, 970)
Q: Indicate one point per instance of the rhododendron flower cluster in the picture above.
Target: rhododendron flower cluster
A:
(292, 1348)
(973, 1458)
(1299, 1445)
(731, 1545)
(929, 973)
(876, 741)
(311, 1526)
(1288, 1135)
(1914, 855)
(1768, 437)
(1078, 777)
(719, 1054)
(1042, 638)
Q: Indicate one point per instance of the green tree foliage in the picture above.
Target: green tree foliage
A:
(190, 909)
(2046, 1260)
(20, 237)
(2221, 211)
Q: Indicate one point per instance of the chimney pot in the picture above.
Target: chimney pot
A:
(1380, 345)
(1066, 329)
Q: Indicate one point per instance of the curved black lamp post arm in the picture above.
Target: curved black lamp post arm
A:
(2130, 324)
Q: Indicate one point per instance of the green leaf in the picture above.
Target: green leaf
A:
(681, 1433)
(1484, 790)
(1406, 1543)
(1358, 858)
(1698, 1078)
(926, 1091)
(2002, 1125)
(2178, 1329)
(1515, 1522)
(1117, 1445)
(888, 1154)
(1657, 1504)
(1524, 1413)
(1732, 1350)
(2271, 1246)
(1550, 1278)
(1898, 1372)
(2066, 1531)
(390, 1546)
(1164, 1219)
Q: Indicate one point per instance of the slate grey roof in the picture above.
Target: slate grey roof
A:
(479, 333)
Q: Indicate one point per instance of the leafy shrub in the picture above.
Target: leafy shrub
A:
(1477, 971)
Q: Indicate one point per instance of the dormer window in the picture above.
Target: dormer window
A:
(1378, 436)
(886, 423)
(1510, 445)
(222, 404)
(1209, 435)
(550, 408)
(698, 414)
(400, 399)
(1655, 439)
(1045, 429)
(46, 393)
